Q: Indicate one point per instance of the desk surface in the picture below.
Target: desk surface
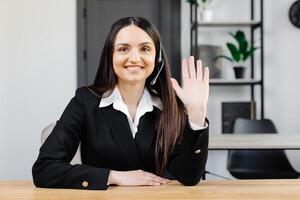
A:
(254, 141)
(208, 190)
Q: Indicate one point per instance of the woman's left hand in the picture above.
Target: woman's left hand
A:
(195, 89)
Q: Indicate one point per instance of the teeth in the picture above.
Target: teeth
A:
(133, 68)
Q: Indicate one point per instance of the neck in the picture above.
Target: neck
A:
(131, 93)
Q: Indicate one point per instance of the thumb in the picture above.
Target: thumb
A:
(176, 87)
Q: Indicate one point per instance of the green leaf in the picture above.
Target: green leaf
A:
(234, 52)
(223, 56)
(241, 39)
(240, 36)
(249, 53)
(244, 50)
(243, 47)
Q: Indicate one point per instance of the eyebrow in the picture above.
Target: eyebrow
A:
(126, 44)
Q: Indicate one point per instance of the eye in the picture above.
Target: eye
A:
(123, 49)
(146, 49)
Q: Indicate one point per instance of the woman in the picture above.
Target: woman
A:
(131, 125)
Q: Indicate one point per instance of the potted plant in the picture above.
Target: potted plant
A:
(239, 53)
(205, 14)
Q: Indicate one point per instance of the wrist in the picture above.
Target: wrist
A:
(113, 177)
(198, 120)
(197, 110)
(196, 114)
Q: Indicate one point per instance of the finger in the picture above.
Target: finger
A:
(176, 87)
(184, 70)
(158, 179)
(199, 70)
(154, 177)
(206, 75)
(152, 183)
(192, 67)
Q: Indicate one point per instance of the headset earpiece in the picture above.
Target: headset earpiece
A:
(161, 64)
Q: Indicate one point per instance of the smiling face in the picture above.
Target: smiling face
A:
(133, 55)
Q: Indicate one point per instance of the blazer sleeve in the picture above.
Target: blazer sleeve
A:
(188, 158)
(52, 168)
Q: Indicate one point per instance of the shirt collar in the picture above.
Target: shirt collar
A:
(146, 102)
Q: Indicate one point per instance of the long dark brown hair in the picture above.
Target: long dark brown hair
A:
(172, 119)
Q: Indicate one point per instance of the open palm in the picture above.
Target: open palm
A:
(195, 84)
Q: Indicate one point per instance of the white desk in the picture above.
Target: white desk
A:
(263, 141)
(254, 141)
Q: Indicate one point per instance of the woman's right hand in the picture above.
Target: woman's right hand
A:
(135, 178)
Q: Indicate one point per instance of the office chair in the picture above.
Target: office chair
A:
(258, 164)
(46, 132)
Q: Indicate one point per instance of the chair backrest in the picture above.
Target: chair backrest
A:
(47, 131)
(253, 126)
(248, 164)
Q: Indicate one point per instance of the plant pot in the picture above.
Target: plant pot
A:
(205, 15)
(239, 71)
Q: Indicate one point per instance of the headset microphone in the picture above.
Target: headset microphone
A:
(161, 64)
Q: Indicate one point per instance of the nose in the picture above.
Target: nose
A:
(134, 56)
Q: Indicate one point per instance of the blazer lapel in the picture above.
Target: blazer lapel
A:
(146, 134)
(118, 124)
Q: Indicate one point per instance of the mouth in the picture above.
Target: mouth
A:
(133, 68)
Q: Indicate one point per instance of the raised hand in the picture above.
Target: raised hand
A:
(195, 89)
(135, 178)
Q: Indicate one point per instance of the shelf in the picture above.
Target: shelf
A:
(235, 82)
(252, 23)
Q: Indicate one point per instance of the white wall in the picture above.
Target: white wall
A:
(37, 76)
(282, 69)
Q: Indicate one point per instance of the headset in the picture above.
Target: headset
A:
(161, 64)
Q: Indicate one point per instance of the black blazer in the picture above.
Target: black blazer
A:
(107, 144)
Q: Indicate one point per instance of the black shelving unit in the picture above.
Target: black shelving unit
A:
(253, 24)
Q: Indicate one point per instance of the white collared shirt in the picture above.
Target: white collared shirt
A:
(146, 104)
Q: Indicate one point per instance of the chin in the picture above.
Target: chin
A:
(136, 81)
(133, 81)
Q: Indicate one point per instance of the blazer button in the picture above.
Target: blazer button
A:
(85, 184)
(197, 151)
